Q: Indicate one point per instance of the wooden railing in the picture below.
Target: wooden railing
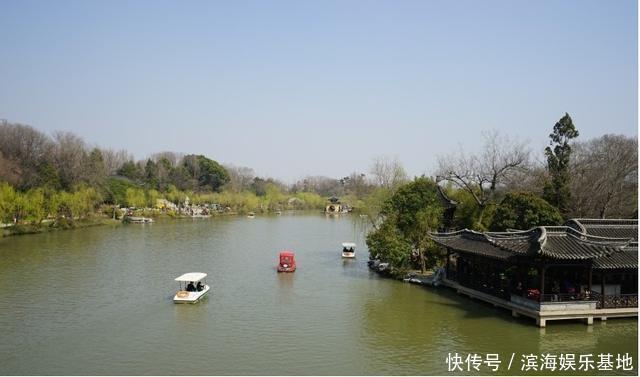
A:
(616, 301)
(602, 302)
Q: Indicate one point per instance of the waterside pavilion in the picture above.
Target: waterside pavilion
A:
(584, 270)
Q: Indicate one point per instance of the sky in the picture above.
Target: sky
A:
(296, 88)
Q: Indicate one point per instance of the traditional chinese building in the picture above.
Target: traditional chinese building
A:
(449, 208)
(585, 269)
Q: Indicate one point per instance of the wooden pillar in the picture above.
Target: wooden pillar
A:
(590, 278)
(543, 268)
(602, 291)
(447, 266)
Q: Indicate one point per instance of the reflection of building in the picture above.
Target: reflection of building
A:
(586, 269)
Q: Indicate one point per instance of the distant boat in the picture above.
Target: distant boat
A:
(348, 250)
(138, 220)
(251, 215)
(191, 288)
(287, 261)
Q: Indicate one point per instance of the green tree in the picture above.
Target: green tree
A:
(208, 173)
(409, 215)
(417, 211)
(557, 191)
(521, 210)
(386, 243)
(7, 203)
(152, 198)
(151, 174)
(135, 197)
(130, 170)
(96, 168)
(33, 205)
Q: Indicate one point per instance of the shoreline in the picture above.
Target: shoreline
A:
(100, 220)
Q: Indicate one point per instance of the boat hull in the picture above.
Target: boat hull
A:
(191, 297)
(286, 269)
(348, 255)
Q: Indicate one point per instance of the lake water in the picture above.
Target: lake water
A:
(99, 301)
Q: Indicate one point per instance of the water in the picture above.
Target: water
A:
(99, 301)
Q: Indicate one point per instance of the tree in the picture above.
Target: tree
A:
(152, 198)
(7, 203)
(136, 197)
(240, 177)
(130, 170)
(557, 191)
(356, 184)
(482, 175)
(388, 172)
(113, 160)
(410, 214)
(417, 211)
(151, 174)
(521, 210)
(96, 170)
(69, 155)
(604, 177)
(26, 148)
(386, 243)
(206, 173)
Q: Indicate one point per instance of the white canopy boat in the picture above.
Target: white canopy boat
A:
(348, 250)
(193, 288)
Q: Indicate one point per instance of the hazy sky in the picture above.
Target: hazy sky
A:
(317, 87)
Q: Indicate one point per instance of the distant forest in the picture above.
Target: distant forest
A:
(61, 175)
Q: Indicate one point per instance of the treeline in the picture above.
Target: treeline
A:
(62, 176)
(595, 178)
(503, 188)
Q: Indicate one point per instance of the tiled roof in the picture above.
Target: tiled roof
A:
(625, 258)
(554, 242)
(445, 200)
(470, 242)
(620, 228)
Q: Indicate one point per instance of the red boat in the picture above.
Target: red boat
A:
(287, 261)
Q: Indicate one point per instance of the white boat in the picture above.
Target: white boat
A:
(192, 288)
(251, 215)
(348, 250)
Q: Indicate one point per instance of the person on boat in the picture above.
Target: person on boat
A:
(200, 286)
(191, 287)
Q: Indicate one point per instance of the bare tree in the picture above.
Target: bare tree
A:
(69, 154)
(240, 177)
(9, 171)
(388, 172)
(173, 158)
(482, 175)
(113, 160)
(605, 177)
(27, 148)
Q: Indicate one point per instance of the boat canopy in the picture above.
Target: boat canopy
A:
(191, 276)
(348, 244)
